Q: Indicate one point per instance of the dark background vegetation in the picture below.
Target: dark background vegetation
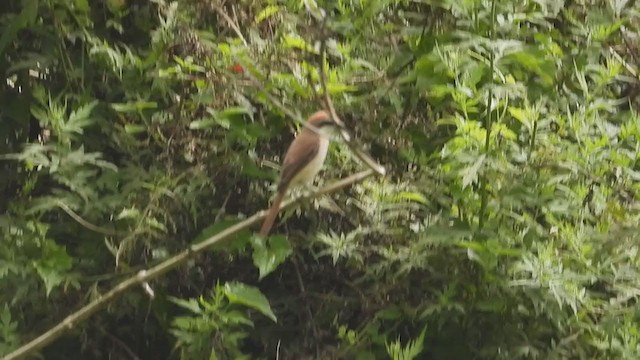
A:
(506, 228)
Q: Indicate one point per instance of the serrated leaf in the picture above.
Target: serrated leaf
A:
(191, 304)
(267, 257)
(41, 114)
(154, 223)
(53, 265)
(237, 317)
(80, 118)
(249, 296)
(83, 112)
(470, 173)
(130, 213)
(7, 267)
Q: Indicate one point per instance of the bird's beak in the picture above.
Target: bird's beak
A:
(346, 135)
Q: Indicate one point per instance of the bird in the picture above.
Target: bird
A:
(303, 160)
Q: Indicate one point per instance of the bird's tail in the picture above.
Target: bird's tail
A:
(271, 216)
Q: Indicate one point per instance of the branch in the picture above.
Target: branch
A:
(626, 65)
(84, 222)
(218, 8)
(156, 271)
(348, 139)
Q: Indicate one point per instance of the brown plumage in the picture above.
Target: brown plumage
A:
(302, 162)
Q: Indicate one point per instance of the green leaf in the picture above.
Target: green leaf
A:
(26, 17)
(234, 111)
(80, 118)
(536, 62)
(202, 124)
(269, 255)
(413, 196)
(83, 112)
(338, 88)
(134, 128)
(470, 173)
(82, 5)
(134, 106)
(240, 239)
(392, 312)
(53, 265)
(249, 296)
(520, 115)
(8, 267)
(5, 317)
(128, 213)
(294, 41)
(8, 331)
(267, 13)
(191, 304)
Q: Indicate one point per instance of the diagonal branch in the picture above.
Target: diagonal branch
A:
(218, 8)
(156, 271)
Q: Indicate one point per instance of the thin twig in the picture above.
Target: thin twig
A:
(120, 343)
(229, 21)
(84, 222)
(368, 160)
(223, 208)
(317, 12)
(628, 45)
(156, 271)
(626, 65)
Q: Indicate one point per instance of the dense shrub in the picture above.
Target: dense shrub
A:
(505, 228)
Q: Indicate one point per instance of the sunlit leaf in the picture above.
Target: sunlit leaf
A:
(202, 124)
(471, 172)
(413, 196)
(267, 12)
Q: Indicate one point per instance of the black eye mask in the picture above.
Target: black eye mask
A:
(327, 122)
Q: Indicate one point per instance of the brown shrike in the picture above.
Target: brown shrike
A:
(303, 160)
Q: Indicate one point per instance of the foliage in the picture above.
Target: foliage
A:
(506, 227)
(218, 327)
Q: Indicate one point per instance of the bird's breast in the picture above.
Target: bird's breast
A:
(307, 174)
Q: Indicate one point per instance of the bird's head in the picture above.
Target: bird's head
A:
(321, 122)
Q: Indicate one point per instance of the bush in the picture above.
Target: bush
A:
(505, 228)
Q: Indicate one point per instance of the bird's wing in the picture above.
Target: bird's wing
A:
(301, 151)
